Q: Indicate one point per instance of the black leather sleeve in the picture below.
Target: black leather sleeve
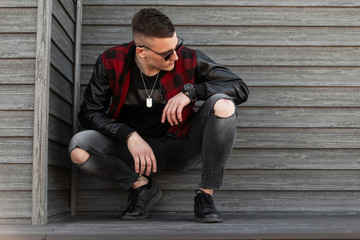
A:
(218, 79)
(93, 111)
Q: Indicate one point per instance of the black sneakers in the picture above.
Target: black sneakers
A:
(141, 200)
(204, 208)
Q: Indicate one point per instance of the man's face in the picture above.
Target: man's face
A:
(156, 50)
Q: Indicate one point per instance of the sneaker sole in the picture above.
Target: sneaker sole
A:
(209, 220)
(153, 201)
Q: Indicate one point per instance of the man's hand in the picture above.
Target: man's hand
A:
(173, 109)
(142, 153)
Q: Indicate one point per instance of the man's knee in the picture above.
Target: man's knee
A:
(79, 156)
(224, 108)
(77, 143)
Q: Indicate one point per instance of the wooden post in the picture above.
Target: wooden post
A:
(41, 113)
(74, 172)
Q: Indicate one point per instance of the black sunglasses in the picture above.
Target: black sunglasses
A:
(168, 54)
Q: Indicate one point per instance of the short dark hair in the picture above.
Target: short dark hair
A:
(150, 22)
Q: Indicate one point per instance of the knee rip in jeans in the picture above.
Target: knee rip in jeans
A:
(79, 156)
(224, 108)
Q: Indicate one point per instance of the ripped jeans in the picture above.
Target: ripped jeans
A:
(209, 141)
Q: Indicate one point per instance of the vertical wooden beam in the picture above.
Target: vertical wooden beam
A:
(77, 80)
(41, 113)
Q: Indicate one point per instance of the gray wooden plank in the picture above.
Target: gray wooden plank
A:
(17, 97)
(242, 16)
(337, 202)
(60, 108)
(76, 102)
(284, 56)
(262, 56)
(15, 204)
(320, 159)
(41, 113)
(268, 180)
(236, 35)
(268, 36)
(18, 221)
(18, 3)
(18, 123)
(15, 177)
(86, 71)
(267, 201)
(17, 71)
(294, 76)
(77, 76)
(282, 76)
(58, 202)
(59, 178)
(16, 150)
(303, 97)
(60, 85)
(64, 19)
(161, 226)
(58, 154)
(82, 91)
(274, 3)
(297, 138)
(17, 45)
(18, 20)
(69, 7)
(62, 63)
(62, 40)
(298, 117)
(111, 35)
(59, 131)
(247, 180)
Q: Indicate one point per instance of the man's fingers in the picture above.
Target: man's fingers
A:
(168, 116)
(163, 117)
(179, 116)
(173, 115)
(142, 165)
(142, 153)
(148, 165)
(153, 161)
(136, 162)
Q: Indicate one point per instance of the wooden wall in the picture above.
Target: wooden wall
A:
(297, 147)
(18, 55)
(17, 75)
(60, 108)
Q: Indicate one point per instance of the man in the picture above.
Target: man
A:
(138, 108)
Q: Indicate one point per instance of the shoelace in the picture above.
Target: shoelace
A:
(205, 200)
(134, 199)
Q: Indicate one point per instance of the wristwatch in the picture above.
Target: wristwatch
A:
(189, 91)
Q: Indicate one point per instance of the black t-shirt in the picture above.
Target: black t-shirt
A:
(135, 114)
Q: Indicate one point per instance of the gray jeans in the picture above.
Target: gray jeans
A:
(210, 140)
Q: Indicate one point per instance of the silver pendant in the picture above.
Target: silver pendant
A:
(149, 102)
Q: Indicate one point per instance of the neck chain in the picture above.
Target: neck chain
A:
(149, 99)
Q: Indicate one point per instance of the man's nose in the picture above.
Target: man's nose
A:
(174, 57)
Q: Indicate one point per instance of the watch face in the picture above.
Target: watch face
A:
(188, 87)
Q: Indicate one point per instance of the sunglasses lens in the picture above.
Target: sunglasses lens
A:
(169, 55)
(172, 52)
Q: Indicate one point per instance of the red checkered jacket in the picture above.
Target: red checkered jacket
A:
(117, 69)
(108, 86)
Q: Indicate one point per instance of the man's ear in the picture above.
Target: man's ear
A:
(140, 52)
